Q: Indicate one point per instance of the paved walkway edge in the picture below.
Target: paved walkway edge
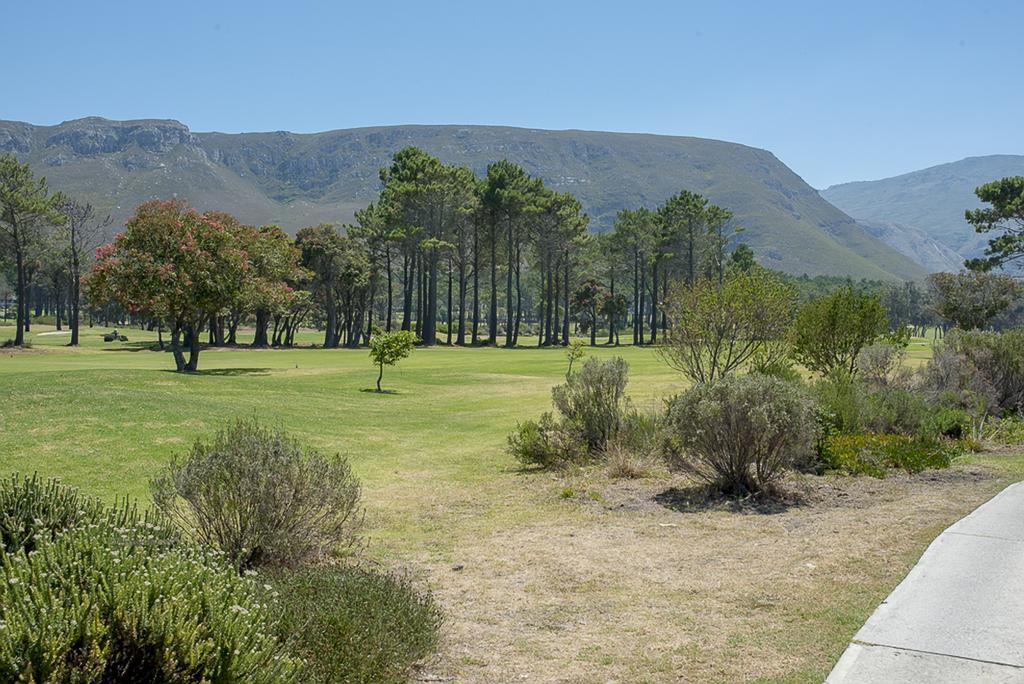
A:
(957, 615)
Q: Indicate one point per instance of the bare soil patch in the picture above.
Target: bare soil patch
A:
(654, 581)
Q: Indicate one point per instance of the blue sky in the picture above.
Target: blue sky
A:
(838, 91)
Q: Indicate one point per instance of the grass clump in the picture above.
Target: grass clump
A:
(260, 498)
(352, 624)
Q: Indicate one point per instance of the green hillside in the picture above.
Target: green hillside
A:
(301, 179)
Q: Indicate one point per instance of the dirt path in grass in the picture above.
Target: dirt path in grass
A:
(641, 584)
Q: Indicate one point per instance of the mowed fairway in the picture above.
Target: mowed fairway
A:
(613, 583)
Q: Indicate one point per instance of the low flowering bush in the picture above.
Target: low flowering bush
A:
(34, 510)
(105, 603)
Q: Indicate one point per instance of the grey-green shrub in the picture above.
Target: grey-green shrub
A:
(121, 603)
(741, 433)
(980, 371)
(593, 399)
(259, 497)
(356, 625)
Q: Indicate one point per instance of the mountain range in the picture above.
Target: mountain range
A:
(296, 180)
(922, 213)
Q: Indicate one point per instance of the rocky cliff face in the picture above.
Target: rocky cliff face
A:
(302, 179)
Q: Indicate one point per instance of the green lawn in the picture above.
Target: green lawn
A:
(610, 584)
(107, 415)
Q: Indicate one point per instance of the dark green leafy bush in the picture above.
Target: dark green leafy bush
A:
(740, 434)
(894, 410)
(874, 454)
(546, 443)
(120, 603)
(949, 422)
(356, 625)
(260, 498)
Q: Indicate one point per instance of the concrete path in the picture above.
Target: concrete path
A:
(959, 615)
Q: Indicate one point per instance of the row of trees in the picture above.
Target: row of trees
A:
(480, 260)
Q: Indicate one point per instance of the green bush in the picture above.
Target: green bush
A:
(874, 454)
(982, 372)
(593, 400)
(947, 421)
(120, 603)
(740, 434)
(546, 443)
(356, 625)
(34, 510)
(260, 498)
(840, 402)
(894, 410)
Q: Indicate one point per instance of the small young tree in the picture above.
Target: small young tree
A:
(714, 329)
(971, 300)
(388, 348)
(831, 331)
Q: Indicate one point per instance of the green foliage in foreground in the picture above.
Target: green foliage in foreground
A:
(105, 603)
(874, 454)
(830, 332)
(356, 625)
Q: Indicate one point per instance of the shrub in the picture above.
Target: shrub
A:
(740, 434)
(260, 498)
(891, 409)
(356, 625)
(717, 327)
(840, 402)
(545, 443)
(998, 358)
(831, 331)
(873, 454)
(33, 510)
(593, 400)
(110, 603)
(949, 422)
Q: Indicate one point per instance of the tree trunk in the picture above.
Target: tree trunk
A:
(476, 282)
(654, 302)
(508, 288)
(408, 273)
(259, 339)
(387, 259)
(492, 314)
(22, 314)
(449, 301)
(565, 325)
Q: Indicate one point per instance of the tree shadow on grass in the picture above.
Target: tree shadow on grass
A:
(702, 498)
(224, 372)
(134, 347)
(389, 392)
